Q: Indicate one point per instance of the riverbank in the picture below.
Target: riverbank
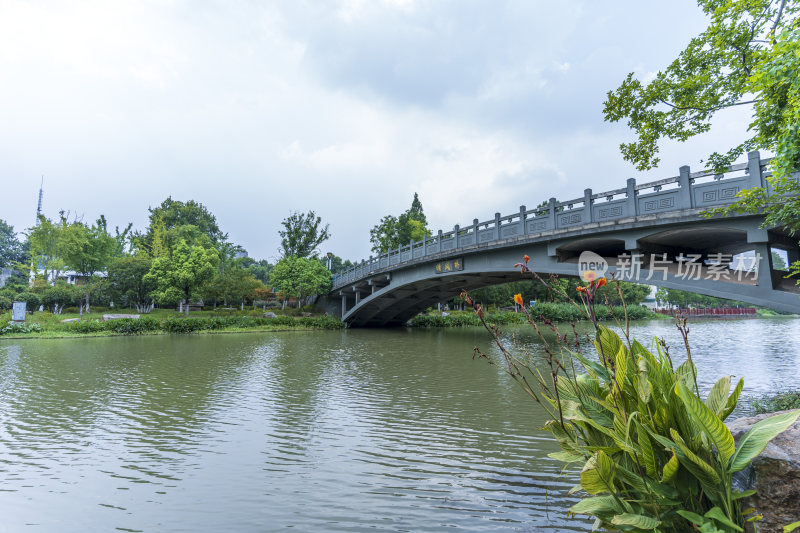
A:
(160, 322)
(555, 312)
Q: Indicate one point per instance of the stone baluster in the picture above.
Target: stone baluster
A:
(686, 196)
(632, 202)
(755, 177)
(551, 213)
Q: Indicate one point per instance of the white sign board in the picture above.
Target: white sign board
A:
(18, 312)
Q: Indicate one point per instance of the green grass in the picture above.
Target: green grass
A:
(556, 312)
(770, 403)
(161, 321)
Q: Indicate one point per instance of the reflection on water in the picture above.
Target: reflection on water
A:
(336, 431)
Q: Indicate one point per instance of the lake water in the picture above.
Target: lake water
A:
(359, 430)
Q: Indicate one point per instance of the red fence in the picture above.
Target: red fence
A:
(710, 311)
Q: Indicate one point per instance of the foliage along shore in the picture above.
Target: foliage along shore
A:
(46, 325)
(554, 312)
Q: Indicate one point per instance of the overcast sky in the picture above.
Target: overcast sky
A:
(257, 109)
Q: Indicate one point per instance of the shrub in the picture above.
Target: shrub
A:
(86, 326)
(33, 301)
(5, 302)
(133, 326)
(13, 327)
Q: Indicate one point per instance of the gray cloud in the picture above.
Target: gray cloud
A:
(344, 107)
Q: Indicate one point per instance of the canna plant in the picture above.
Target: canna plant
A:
(654, 455)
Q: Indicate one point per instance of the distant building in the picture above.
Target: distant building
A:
(74, 278)
(70, 276)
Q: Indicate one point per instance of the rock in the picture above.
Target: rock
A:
(67, 320)
(306, 314)
(106, 318)
(270, 314)
(775, 475)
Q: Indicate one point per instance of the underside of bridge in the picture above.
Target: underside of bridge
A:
(393, 296)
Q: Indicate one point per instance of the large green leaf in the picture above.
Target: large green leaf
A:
(703, 471)
(598, 474)
(717, 514)
(719, 395)
(566, 456)
(594, 368)
(648, 454)
(692, 517)
(757, 437)
(730, 405)
(621, 366)
(686, 373)
(670, 468)
(636, 520)
(595, 505)
(708, 421)
(607, 343)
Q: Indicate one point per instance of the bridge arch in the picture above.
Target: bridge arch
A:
(645, 222)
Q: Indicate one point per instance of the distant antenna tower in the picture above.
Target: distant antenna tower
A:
(39, 206)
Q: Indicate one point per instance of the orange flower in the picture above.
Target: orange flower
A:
(589, 276)
(601, 282)
(526, 258)
(518, 300)
(580, 288)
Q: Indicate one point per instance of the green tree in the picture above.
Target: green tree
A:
(392, 232)
(11, 249)
(88, 250)
(747, 56)
(413, 224)
(55, 298)
(259, 269)
(180, 275)
(385, 235)
(129, 285)
(302, 234)
(46, 246)
(174, 221)
(300, 277)
(239, 285)
(777, 262)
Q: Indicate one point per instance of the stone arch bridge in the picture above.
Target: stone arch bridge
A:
(653, 232)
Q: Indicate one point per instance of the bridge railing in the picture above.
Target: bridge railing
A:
(687, 190)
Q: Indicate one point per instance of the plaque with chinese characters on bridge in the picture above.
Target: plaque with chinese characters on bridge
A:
(453, 265)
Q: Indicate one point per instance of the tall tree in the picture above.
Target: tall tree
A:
(88, 250)
(11, 249)
(392, 232)
(173, 221)
(749, 55)
(46, 246)
(745, 57)
(302, 234)
(180, 275)
(385, 235)
(126, 276)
